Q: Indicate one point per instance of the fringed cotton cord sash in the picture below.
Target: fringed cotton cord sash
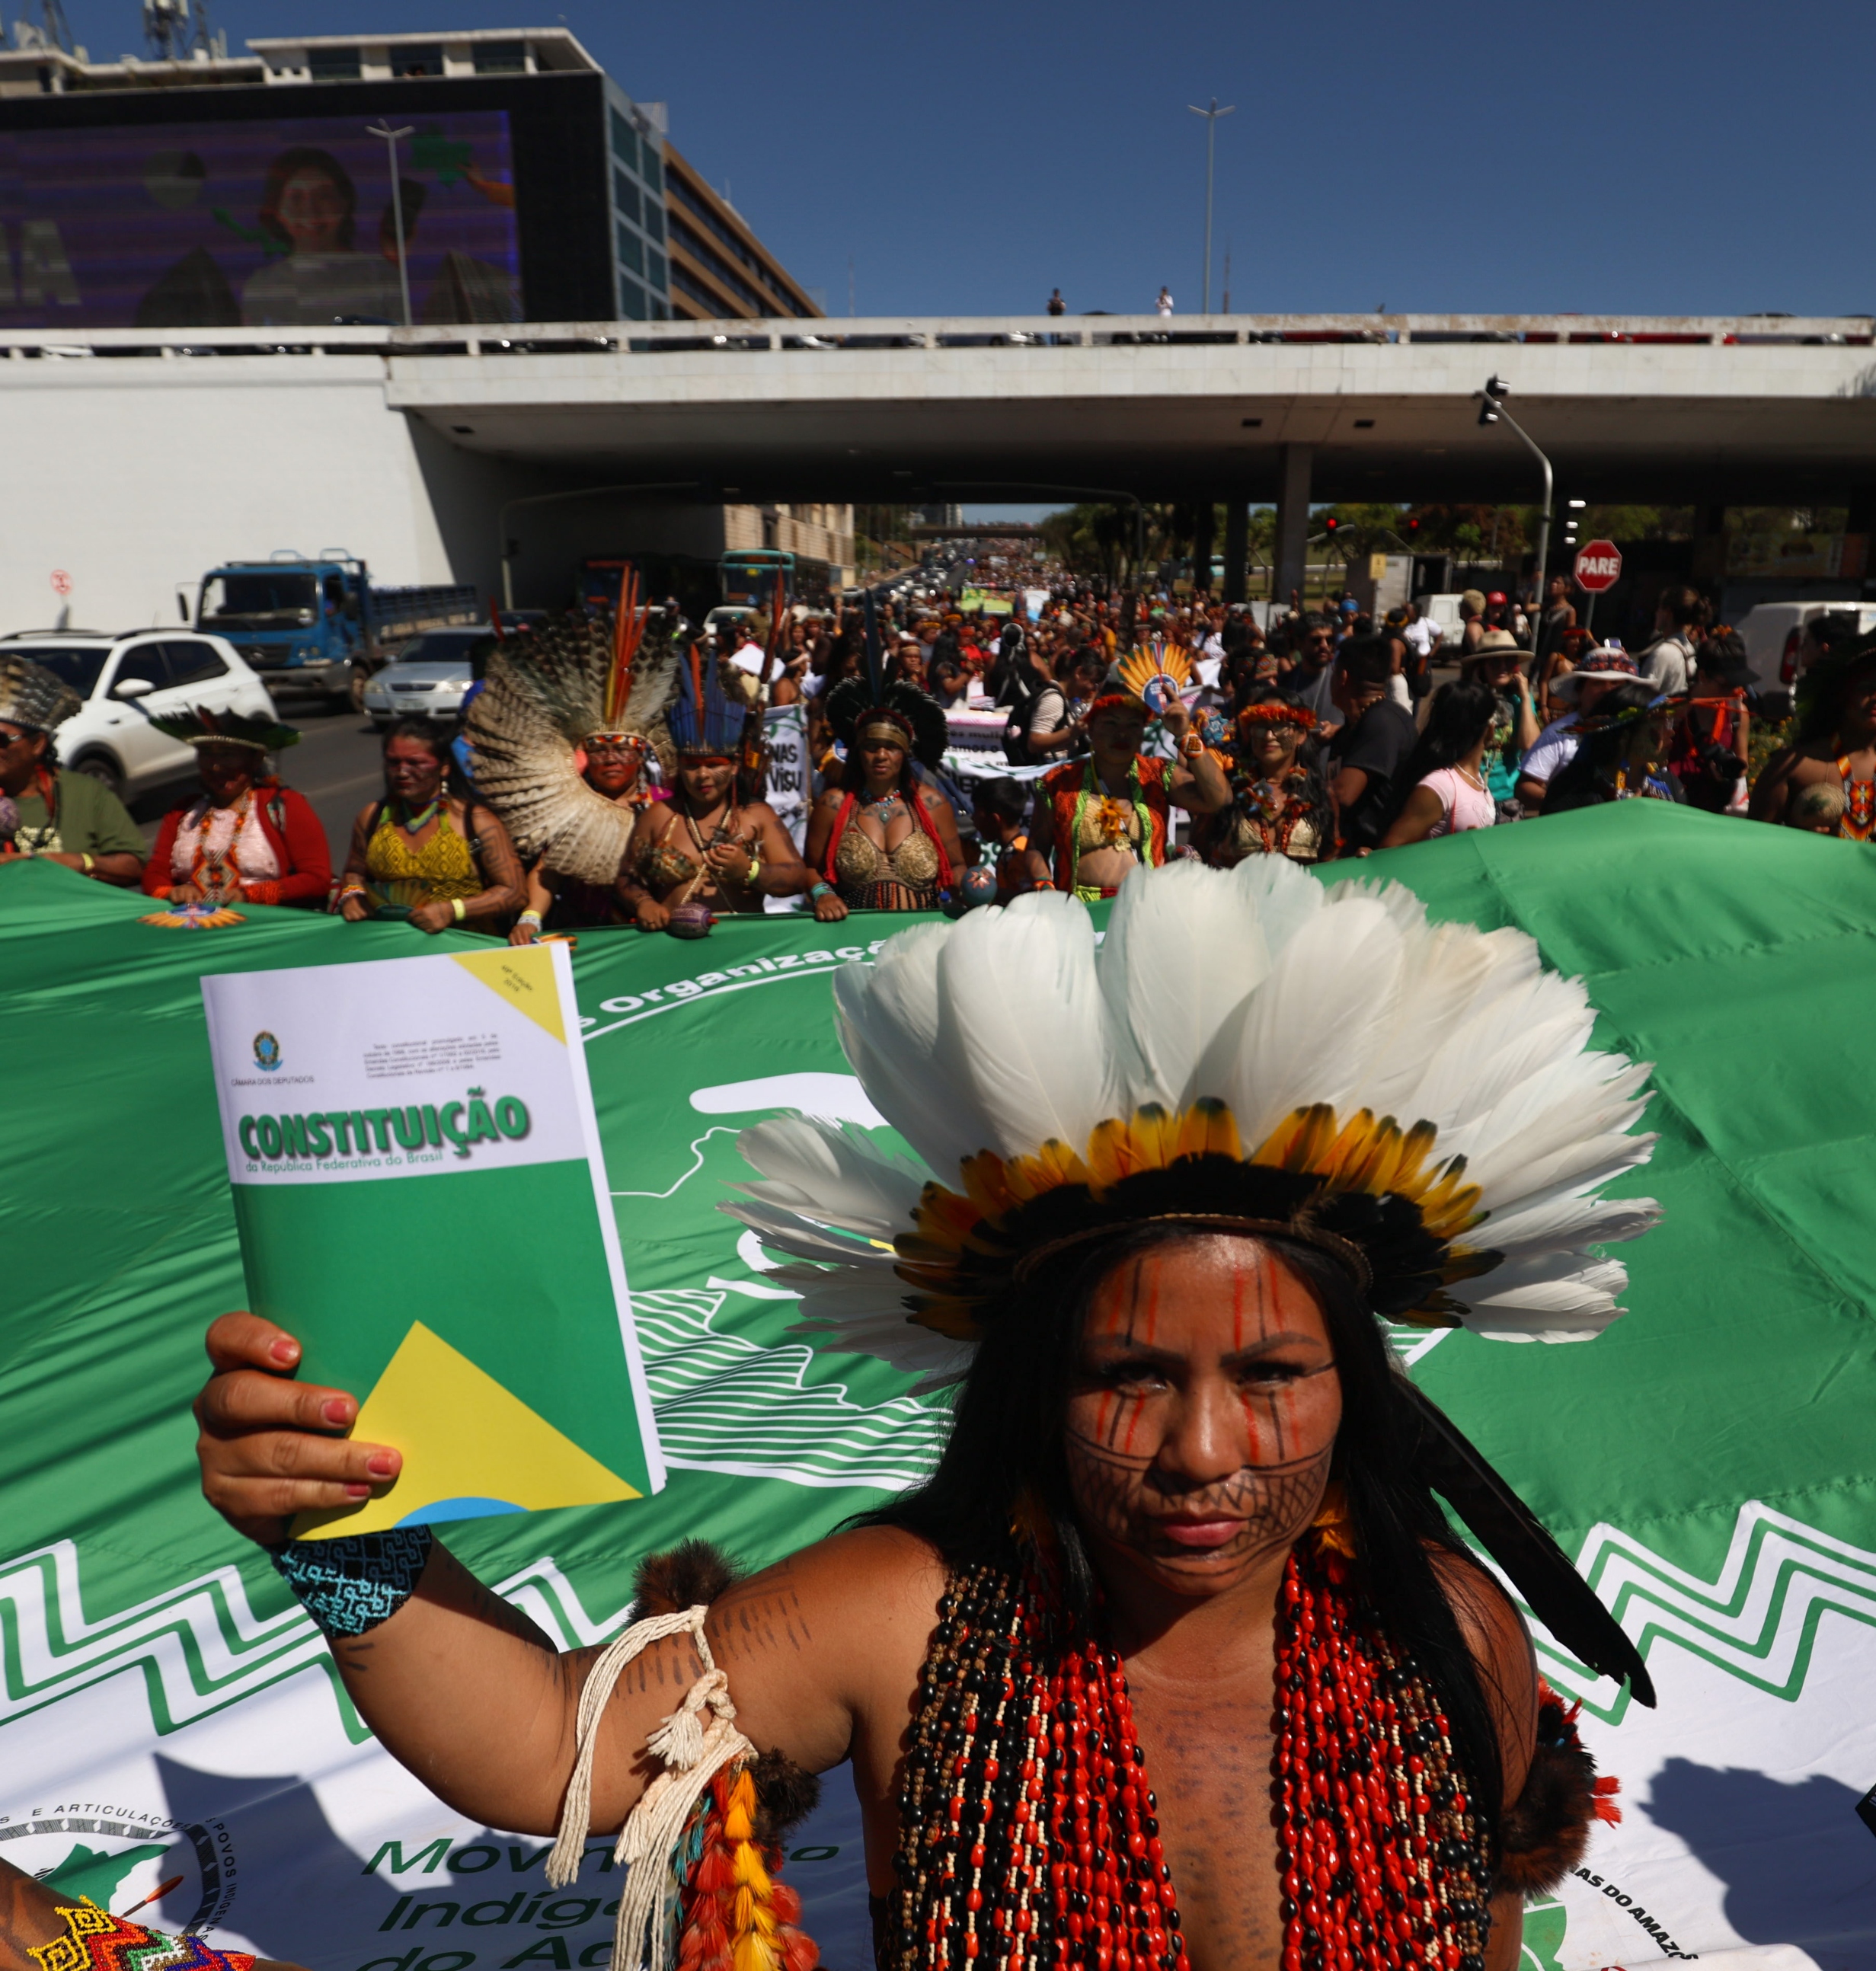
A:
(693, 1751)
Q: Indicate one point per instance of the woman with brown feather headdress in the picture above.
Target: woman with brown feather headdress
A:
(564, 732)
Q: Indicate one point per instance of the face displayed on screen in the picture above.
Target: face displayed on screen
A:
(315, 211)
(286, 220)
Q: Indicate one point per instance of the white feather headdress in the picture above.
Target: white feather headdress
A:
(1248, 1050)
(548, 692)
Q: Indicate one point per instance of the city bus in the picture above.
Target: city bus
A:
(748, 577)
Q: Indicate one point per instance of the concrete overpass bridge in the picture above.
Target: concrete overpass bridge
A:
(173, 449)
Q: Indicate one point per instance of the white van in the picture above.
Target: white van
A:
(1442, 611)
(1773, 631)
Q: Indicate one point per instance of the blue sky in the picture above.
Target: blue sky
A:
(1654, 156)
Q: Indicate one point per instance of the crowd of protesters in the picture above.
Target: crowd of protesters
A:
(1330, 735)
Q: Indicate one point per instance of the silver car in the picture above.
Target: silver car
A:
(427, 679)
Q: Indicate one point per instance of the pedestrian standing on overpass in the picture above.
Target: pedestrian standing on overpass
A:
(1057, 305)
(1164, 305)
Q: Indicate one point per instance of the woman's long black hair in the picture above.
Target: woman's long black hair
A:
(1460, 716)
(1006, 1444)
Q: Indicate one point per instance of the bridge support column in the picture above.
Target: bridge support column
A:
(1709, 555)
(1237, 547)
(1292, 554)
(1202, 524)
(1860, 521)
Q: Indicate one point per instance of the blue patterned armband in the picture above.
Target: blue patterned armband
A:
(351, 1584)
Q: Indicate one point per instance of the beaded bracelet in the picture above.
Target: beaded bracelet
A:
(95, 1940)
(350, 1584)
(461, 909)
(821, 890)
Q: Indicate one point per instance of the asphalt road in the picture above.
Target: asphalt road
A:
(335, 766)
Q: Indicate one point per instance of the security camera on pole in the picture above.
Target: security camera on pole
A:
(1492, 411)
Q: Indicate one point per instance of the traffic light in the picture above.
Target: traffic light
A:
(1332, 523)
(1413, 525)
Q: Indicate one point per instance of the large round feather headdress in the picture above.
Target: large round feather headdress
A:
(548, 692)
(1247, 1051)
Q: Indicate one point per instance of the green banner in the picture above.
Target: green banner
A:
(166, 1709)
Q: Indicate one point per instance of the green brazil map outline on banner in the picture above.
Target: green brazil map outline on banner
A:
(1704, 1459)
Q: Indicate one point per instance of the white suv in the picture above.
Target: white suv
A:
(125, 682)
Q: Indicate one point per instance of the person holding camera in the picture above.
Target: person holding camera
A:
(1711, 741)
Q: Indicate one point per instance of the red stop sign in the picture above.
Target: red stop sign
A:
(1598, 566)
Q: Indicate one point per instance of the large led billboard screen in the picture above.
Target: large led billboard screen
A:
(285, 221)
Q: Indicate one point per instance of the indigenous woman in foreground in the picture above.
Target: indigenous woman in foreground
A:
(703, 851)
(882, 840)
(245, 839)
(425, 854)
(1098, 819)
(561, 732)
(1175, 1664)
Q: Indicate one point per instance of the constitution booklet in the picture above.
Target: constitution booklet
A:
(422, 1201)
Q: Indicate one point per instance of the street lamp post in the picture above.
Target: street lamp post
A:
(1211, 116)
(1491, 411)
(390, 137)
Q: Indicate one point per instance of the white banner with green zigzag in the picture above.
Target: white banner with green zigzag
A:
(168, 1719)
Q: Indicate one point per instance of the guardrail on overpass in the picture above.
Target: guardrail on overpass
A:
(959, 332)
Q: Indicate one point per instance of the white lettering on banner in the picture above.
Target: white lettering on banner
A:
(633, 1007)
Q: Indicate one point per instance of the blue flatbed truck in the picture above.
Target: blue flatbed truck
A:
(316, 624)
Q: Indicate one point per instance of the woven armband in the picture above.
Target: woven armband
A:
(95, 1940)
(352, 1584)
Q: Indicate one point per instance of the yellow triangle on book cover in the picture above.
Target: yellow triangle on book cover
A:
(524, 978)
(467, 1441)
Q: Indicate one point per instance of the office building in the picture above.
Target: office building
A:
(256, 189)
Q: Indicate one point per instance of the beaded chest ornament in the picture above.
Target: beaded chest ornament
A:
(1029, 1833)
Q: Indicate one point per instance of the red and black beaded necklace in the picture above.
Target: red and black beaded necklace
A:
(1028, 1829)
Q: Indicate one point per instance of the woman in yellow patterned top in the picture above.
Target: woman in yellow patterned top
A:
(425, 854)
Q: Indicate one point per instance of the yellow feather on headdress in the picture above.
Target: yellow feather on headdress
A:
(1155, 660)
